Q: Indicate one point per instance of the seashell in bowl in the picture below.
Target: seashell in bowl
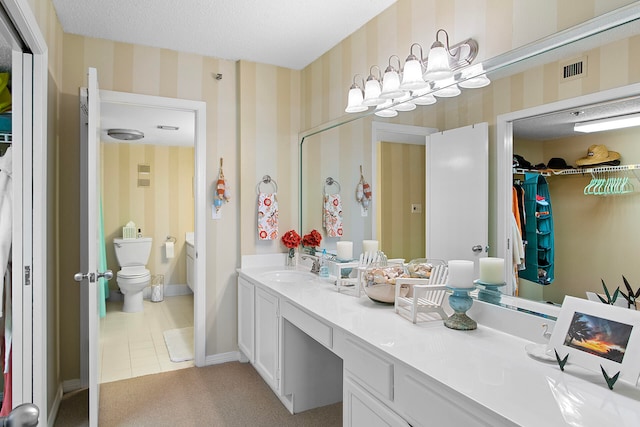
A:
(379, 282)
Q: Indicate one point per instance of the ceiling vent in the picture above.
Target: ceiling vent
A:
(573, 69)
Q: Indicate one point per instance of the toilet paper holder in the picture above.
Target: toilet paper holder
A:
(171, 239)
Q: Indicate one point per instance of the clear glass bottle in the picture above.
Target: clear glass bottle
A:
(324, 268)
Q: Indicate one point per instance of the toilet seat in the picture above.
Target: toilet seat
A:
(133, 272)
(135, 277)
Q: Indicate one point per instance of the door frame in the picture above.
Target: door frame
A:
(200, 208)
(391, 132)
(33, 388)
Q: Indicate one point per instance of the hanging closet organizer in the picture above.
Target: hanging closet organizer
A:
(539, 251)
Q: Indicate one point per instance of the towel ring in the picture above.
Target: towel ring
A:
(267, 180)
(329, 182)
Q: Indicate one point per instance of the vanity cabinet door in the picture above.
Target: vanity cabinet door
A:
(246, 318)
(266, 337)
(362, 409)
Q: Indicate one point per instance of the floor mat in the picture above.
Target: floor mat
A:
(179, 343)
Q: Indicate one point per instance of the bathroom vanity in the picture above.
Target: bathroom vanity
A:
(314, 346)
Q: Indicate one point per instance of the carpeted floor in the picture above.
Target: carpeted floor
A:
(225, 395)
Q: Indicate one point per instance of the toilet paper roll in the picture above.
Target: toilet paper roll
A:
(168, 250)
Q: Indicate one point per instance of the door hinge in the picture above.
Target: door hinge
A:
(27, 275)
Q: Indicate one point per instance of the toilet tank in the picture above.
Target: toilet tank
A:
(132, 252)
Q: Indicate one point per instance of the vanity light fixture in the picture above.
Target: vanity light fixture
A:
(372, 89)
(446, 88)
(404, 103)
(383, 110)
(610, 123)
(438, 67)
(356, 96)
(412, 72)
(423, 97)
(418, 76)
(473, 77)
(391, 81)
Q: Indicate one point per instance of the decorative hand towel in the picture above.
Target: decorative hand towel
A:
(267, 216)
(332, 215)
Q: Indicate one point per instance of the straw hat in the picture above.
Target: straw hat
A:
(597, 154)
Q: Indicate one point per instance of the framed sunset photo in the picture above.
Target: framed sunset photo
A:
(599, 335)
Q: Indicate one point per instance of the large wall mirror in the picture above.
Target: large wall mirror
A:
(587, 229)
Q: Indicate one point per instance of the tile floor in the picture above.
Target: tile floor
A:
(132, 344)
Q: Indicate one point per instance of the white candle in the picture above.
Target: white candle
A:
(492, 270)
(369, 246)
(344, 250)
(460, 274)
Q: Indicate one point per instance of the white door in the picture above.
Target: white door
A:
(458, 193)
(89, 232)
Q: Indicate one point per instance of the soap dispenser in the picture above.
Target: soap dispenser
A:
(324, 268)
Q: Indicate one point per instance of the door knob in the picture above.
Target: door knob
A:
(477, 248)
(79, 277)
(108, 275)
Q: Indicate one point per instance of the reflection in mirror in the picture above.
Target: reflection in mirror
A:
(594, 225)
(529, 78)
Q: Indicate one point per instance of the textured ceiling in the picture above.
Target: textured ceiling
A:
(287, 33)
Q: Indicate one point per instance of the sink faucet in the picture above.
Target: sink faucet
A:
(315, 267)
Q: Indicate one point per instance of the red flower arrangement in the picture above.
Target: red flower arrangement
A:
(312, 239)
(291, 239)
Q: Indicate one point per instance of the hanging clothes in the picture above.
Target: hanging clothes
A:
(6, 218)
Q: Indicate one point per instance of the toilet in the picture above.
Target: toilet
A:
(133, 276)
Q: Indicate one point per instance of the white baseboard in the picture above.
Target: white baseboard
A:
(216, 359)
(169, 291)
(71, 385)
(53, 414)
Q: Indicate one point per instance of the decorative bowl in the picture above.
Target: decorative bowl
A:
(379, 282)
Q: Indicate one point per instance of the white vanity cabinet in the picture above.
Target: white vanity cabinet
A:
(267, 336)
(246, 319)
(360, 408)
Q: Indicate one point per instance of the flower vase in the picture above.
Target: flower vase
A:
(292, 258)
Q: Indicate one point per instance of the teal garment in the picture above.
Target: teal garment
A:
(103, 285)
(539, 251)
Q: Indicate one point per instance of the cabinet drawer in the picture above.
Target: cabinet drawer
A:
(311, 326)
(423, 401)
(370, 369)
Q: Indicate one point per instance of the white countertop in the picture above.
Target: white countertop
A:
(485, 365)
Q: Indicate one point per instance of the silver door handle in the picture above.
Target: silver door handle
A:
(79, 277)
(477, 248)
(108, 275)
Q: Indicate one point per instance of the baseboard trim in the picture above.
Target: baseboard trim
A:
(53, 414)
(71, 385)
(216, 359)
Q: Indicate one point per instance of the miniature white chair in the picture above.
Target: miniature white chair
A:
(415, 296)
(354, 284)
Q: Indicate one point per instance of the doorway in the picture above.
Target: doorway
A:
(193, 185)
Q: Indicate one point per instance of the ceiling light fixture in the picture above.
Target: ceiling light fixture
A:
(420, 78)
(610, 123)
(125, 134)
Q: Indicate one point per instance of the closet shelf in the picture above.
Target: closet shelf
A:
(597, 169)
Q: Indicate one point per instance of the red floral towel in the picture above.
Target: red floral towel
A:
(267, 216)
(332, 215)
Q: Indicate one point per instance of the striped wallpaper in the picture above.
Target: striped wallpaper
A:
(255, 113)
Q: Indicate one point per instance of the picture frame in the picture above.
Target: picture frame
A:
(599, 336)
